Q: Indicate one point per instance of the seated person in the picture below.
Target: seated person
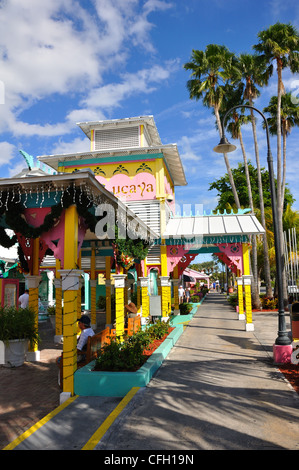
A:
(86, 331)
(131, 308)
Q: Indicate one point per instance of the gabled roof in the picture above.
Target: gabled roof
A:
(213, 225)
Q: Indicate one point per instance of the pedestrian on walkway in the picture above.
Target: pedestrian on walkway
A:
(181, 294)
(24, 299)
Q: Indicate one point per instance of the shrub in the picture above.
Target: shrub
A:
(269, 303)
(233, 299)
(127, 354)
(18, 324)
(195, 299)
(185, 308)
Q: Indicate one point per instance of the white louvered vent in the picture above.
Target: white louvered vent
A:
(154, 254)
(148, 212)
(117, 138)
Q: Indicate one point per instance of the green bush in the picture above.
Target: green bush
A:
(18, 324)
(127, 354)
(233, 299)
(101, 302)
(195, 299)
(185, 308)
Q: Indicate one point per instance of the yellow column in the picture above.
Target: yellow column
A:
(240, 298)
(176, 290)
(33, 281)
(58, 302)
(165, 284)
(247, 287)
(70, 284)
(119, 282)
(144, 299)
(93, 287)
(108, 291)
(138, 269)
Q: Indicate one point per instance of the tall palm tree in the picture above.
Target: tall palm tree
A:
(289, 119)
(210, 71)
(279, 44)
(233, 97)
(254, 73)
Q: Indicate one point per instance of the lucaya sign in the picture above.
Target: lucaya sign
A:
(141, 186)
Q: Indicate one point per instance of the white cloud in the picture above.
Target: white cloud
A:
(63, 46)
(7, 151)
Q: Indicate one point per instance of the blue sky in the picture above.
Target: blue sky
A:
(67, 61)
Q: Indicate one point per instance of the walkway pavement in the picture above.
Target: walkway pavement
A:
(218, 389)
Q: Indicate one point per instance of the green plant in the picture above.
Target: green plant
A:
(233, 299)
(101, 302)
(51, 310)
(127, 354)
(194, 299)
(185, 308)
(18, 324)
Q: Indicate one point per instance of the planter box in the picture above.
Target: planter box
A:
(13, 352)
(117, 384)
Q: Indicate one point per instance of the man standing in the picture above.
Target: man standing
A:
(181, 294)
(24, 299)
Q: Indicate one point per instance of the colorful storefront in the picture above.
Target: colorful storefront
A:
(74, 223)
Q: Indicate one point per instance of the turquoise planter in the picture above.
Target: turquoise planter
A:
(117, 384)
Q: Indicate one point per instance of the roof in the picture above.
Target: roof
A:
(213, 225)
(170, 152)
(148, 121)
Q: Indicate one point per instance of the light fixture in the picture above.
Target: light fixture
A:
(224, 146)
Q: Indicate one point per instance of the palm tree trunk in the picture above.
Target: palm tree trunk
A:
(279, 198)
(255, 290)
(262, 208)
(284, 169)
(229, 172)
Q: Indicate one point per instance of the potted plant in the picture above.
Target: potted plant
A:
(17, 329)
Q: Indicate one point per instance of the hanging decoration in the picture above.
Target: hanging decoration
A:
(126, 250)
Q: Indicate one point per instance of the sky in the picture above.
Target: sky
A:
(69, 61)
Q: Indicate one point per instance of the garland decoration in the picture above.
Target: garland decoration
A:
(127, 250)
(16, 221)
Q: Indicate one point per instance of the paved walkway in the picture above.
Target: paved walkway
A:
(217, 390)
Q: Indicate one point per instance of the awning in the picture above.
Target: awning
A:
(213, 225)
(187, 278)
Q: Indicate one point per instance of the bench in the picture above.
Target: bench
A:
(134, 324)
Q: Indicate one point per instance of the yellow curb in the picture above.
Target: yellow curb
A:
(97, 436)
(39, 424)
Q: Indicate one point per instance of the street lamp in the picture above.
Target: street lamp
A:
(225, 147)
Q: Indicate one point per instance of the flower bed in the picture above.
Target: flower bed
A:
(88, 382)
(291, 373)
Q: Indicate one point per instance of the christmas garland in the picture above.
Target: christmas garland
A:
(127, 250)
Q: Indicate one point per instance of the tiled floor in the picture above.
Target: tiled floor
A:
(31, 391)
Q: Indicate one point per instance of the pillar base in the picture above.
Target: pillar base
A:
(64, 396)
(282, 354)
(164, 319)
(249, 327)
(33, 356)
(242, 316)
(176, 311)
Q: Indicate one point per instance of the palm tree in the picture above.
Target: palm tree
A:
(279, 44)
(233, 97)
(210, 71)
(289, 119)
(255, 73)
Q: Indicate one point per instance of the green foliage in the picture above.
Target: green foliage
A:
(225, 194)
(127, 354)
(51, 310)
(233, 299)
(185, 308)
(101, 302)
(18, 324)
